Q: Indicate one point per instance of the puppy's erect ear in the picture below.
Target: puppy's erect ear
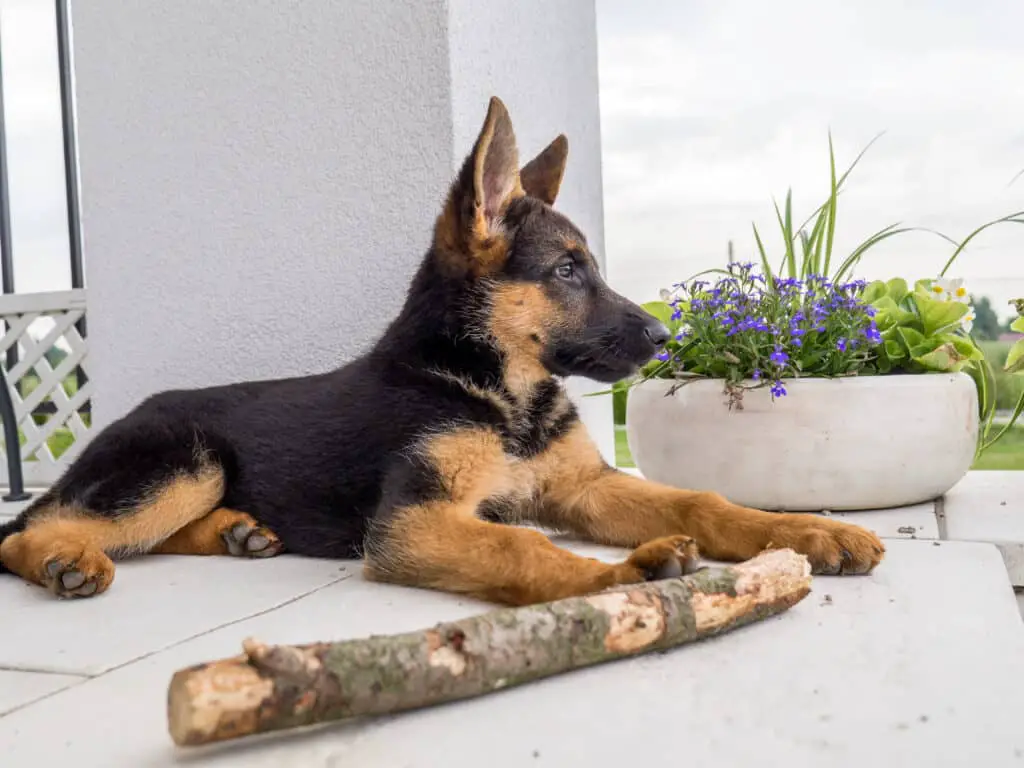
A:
(542, 176)
(469, 229)
(495, 163)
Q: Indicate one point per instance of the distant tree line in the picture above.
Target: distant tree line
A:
(986, 324)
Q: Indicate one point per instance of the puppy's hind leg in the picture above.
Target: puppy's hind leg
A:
(104, 509)
(222, 532)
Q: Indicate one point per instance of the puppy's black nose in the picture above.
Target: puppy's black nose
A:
(656, 333)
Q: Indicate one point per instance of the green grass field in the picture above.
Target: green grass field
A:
(1008, 453)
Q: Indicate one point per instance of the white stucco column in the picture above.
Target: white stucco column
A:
(259, 179)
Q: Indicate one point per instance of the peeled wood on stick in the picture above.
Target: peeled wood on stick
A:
(271, 687)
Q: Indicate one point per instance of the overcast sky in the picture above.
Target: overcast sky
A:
(712, 107)
(709, 109)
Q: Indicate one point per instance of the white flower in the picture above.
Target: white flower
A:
(967, 321)
(951, 289)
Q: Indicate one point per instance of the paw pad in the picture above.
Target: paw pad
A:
(247, 540)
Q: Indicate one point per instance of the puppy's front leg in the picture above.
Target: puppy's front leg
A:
(583, 495)
(426, 533)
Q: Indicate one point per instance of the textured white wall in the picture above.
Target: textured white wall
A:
(259, 177)
(258, 182)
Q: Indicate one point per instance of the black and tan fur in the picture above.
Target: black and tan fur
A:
(418, 455)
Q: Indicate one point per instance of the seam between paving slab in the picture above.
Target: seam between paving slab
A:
(83, 679)
(940, 517)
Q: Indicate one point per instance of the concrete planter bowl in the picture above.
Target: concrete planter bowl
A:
(858, 443)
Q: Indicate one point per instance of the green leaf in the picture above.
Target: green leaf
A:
(786, 224)
(833, 199)
(897, 289)
(912, 338)
(890, 313)
(1017, 325)
(964, 347)
(883, 234)
(944, 358)
(660, 309)
(937, 315)
(1015, 358)
(768, 274)
(894, 350)
(1013, 218)
(923, 286)
(874, 291)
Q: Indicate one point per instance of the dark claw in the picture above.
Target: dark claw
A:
(670, 569)
(691, 566)
(73, 580)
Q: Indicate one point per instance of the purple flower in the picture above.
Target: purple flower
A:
(677, 314)
(663, 356)
(778, 390)
(756, 375)
(872, 334)
(841, 344)
(779, 357)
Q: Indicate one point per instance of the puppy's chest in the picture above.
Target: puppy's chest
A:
(533, 423)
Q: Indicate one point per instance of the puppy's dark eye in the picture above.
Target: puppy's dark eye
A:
(565, 271)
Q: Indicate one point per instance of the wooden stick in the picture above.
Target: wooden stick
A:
(277, 687)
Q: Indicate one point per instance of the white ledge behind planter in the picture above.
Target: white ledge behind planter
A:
(868, 442)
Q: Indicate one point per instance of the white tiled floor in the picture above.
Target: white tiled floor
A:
(915, 663)
(153, 603)
(20, 688)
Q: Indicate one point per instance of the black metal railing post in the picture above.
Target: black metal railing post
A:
(6, 247)
(12, 445)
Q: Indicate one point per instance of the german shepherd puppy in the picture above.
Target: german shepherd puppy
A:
(420, 454)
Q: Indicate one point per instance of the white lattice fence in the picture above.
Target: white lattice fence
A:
(45, 381)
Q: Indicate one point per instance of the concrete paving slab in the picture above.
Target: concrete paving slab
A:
(915, 664)
(153, 603)
(912, 522)
(20, 688)
(989, 506)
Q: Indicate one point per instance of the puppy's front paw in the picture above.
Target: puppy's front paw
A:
(830, 546)
(665, 558)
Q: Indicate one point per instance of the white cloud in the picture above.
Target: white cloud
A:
(711, 108)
